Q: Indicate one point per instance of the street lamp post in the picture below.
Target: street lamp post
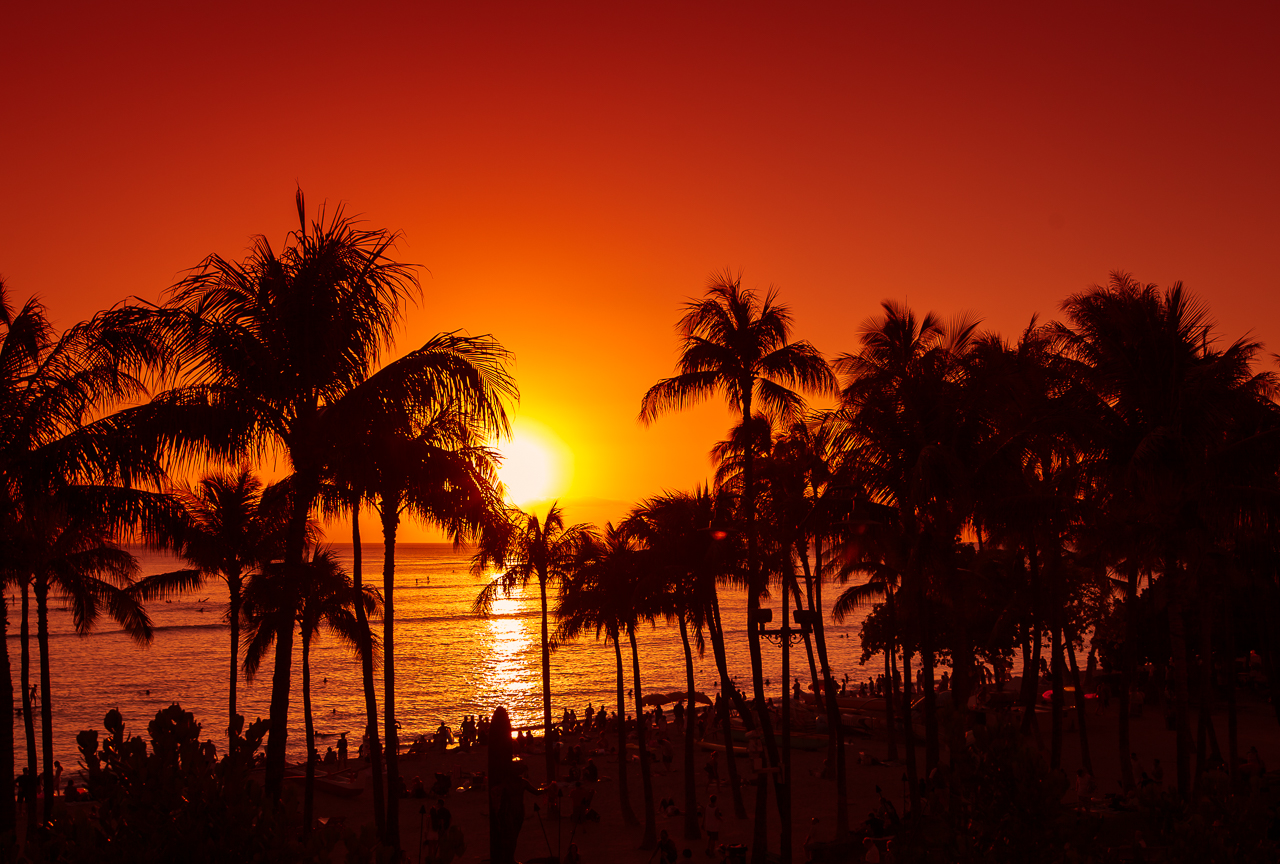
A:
(785, 636)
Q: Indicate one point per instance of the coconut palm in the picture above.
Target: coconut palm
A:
(325, 596)
(738, 345)
(689, 558)
(1170, 399)
(234, 527)
(522, 547)
(903, 405)
(426, 461)
(617, 575)
(57, 391)
(271, 344)
(585, 605)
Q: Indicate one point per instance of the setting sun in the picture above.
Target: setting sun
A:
(536, 464)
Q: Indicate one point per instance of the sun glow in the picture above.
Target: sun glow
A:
(536, 464)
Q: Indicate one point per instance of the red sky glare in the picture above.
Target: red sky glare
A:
(570, 173)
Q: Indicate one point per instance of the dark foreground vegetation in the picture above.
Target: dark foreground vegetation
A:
(1106, 484)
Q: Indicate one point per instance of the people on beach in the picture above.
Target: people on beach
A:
(712, 819)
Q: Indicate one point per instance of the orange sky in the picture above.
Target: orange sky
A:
(570, 173)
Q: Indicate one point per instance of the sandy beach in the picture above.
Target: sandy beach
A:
(610, 840)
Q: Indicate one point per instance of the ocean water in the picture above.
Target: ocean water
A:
(449, 661)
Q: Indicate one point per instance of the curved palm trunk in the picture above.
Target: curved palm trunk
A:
(8, 809)
(309, 785)
(624, 791)
(1085, 758)
(650, 838)
(755, 587)
(234, 582)
(46, 701)
(909, 733)
(889, 720)
(691, 830)
(726, 694)
(366, 674)
(827, 693)
(1128, 661)
(390, 523)
(28, 712)
(549, 752)
(304, 492)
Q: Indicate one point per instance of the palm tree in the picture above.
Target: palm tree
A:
(234, 527)
(56, 429)
(735, 344)
(903, 408)
(271, 344)
(677, 529)
(326, 597)
(585, 604)
(425, 458)
(611, 572)
(1171, 404)
(65, 542)
(523, 547)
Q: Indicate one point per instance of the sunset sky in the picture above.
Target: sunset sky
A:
(568, 174)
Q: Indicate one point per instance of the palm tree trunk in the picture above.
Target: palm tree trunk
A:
(234, 583)
(1178, 649)
(827, 693)
(304, 491)
(46, 690)
(366, 674)
(650, 838)
(755, 587)
(1055, 662)
(726, 693)
(309, 784)
(691, 830)
(909, 733)
(8, 809)
(549, 752)
(1233, 734)
(1127, 663)
(889, 720)
(1085, 758)
(28, 713)
(390, 523)
(624, 791)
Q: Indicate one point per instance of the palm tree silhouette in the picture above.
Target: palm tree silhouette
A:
(233, 528)
(586, 604)
(523, 547)
(1171, 401)
(738, 345)
(902, 407)
(57, 392)
(424, 457)
(274, 601)
(271, 344)
(612, 569)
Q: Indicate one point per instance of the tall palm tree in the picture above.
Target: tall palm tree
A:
(234, 527)
(584, 605)
(736, 344)
(65, 542)
(424, 458)
(326, 596)
(57, 392)
(677, 529)
(903, 407)
(1171, 400)
(616, 573)
(270, 344)
(522, 547)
